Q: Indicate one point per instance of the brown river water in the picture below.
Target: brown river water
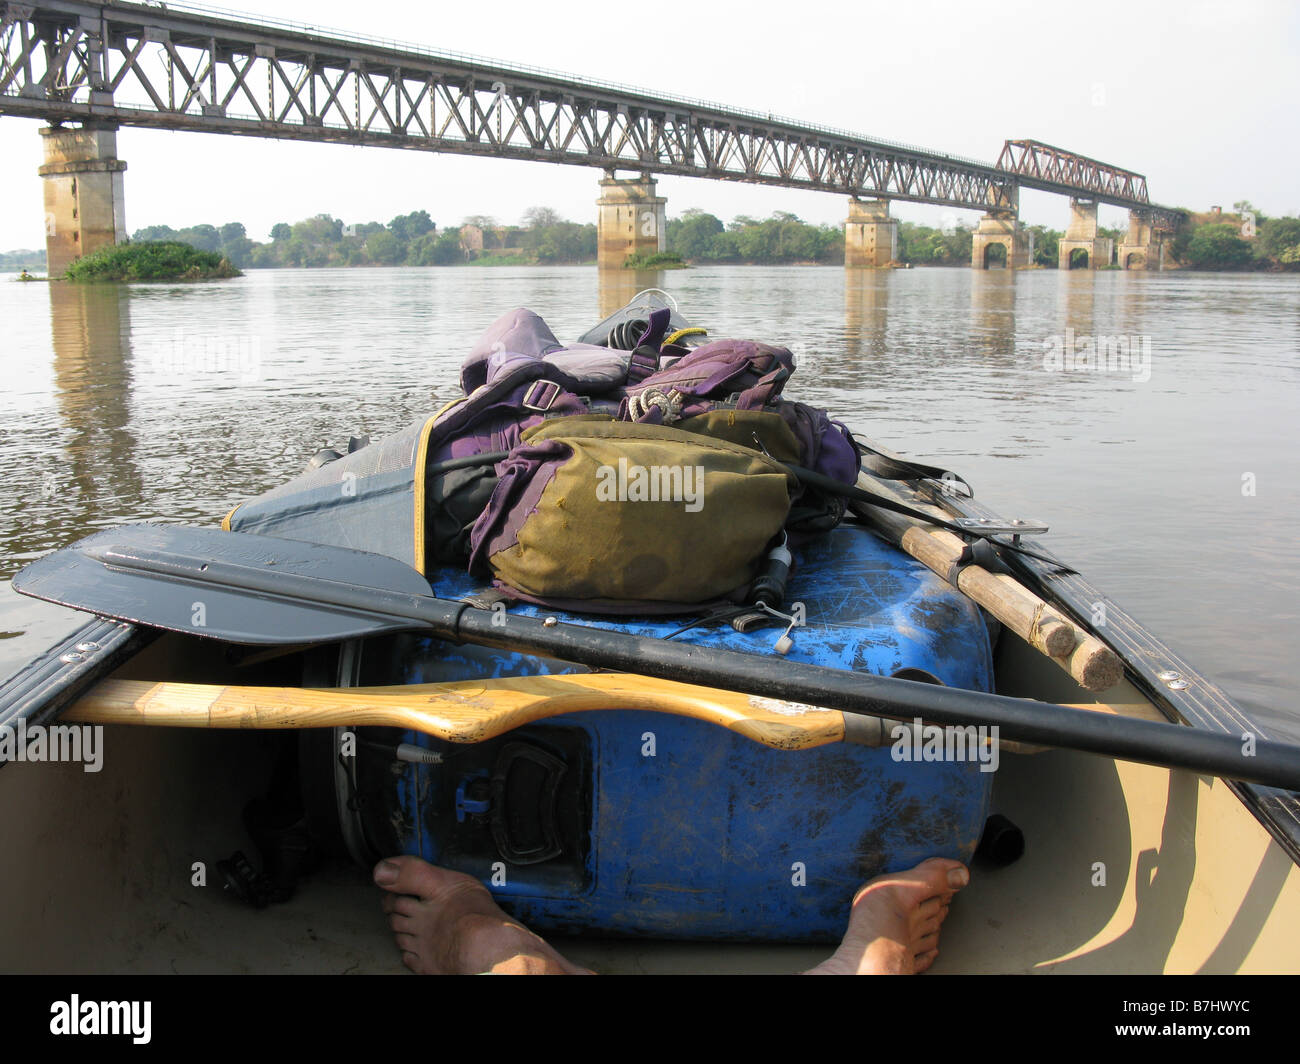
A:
(1170, 476)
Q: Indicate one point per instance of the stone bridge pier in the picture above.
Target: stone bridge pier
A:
(1001, 228)
(870, 235)
(1142, 248)
(1081, 235)
(631, 220)
(85, 202)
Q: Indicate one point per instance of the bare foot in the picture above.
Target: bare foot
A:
(894, 921)
(446, 923)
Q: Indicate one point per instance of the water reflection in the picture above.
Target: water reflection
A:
(618, 287)
(90, 326)
(993, 314)
(866, 314)
(1078, 296)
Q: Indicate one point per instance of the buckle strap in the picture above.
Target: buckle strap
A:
(643, 363)
(541, 396)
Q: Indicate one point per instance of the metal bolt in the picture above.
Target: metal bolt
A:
(72, 657)
(1169, 675)
(86, 648)
(550, 622)
(1178, 685)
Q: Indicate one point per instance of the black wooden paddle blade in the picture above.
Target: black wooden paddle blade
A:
(220, 585)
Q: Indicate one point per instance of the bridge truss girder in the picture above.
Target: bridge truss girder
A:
(70, 61)
(1042, 166)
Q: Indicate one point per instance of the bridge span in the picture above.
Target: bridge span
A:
(86, 68)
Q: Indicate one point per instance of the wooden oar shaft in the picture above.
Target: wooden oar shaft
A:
(470, 712)
(1092, 664)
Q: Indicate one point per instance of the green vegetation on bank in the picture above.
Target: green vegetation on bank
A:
(1208, 241)
(408, 240)
(658, 261)
(1246, 239)
(22, 260)
(782, 238)
(922, 245)
(151, 261)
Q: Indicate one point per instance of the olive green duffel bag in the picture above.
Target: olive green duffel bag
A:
(614, 516)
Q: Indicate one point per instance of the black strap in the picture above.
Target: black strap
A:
(883, 502)
(486, 458)
(892, 467)
(488, 598)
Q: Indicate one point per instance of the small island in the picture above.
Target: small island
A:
(662, 260)
(165, 260)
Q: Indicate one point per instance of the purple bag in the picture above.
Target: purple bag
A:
(519, 374)
(742, 373)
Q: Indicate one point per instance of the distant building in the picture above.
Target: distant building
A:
(471, 238)
(475, 239)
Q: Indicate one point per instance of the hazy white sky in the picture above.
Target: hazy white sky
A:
(1200, 96)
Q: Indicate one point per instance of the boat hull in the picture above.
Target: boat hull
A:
(103, 878)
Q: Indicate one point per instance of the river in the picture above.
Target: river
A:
(1171, 477)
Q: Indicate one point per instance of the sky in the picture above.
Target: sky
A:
(1200, 96)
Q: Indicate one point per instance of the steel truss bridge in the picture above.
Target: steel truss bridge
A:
(170, 66)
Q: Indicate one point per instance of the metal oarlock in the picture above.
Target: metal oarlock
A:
(1016, 527)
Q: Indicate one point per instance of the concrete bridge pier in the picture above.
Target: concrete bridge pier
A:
(632, 220)
(1001, 229)
(1081, 235)
(870, 235)
(85, 201)
(1142, 247)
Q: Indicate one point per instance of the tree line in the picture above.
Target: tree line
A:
(1243, 240)
(781, 238)
(408, 240)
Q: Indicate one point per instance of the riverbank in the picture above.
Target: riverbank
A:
(1241, 241)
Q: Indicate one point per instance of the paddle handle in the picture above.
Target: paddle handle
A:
(475, 711)
(463, 712)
